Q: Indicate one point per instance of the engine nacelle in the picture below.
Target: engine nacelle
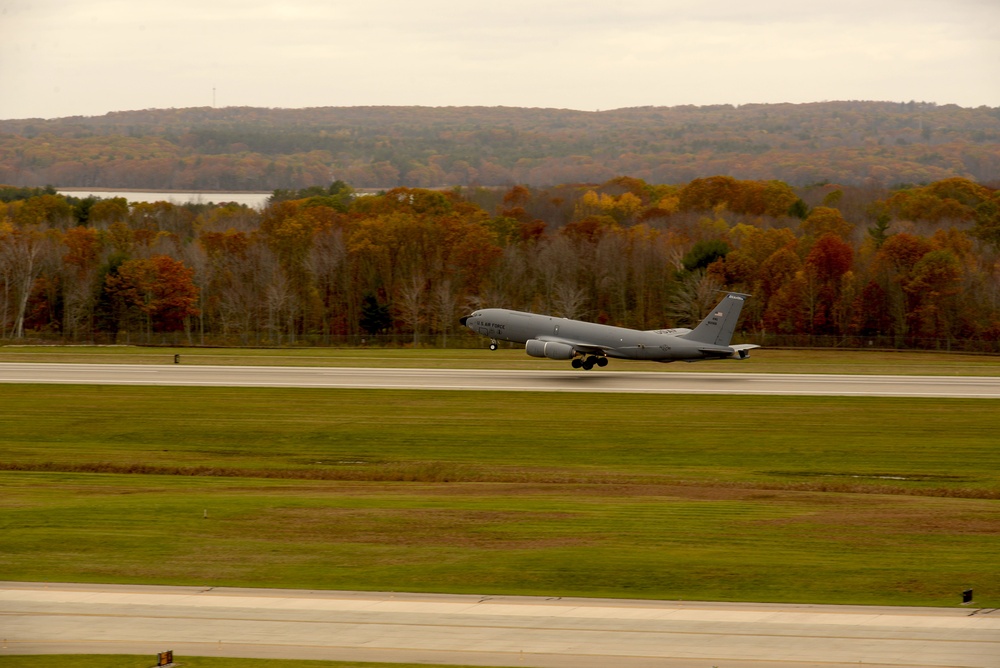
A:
(551, 349)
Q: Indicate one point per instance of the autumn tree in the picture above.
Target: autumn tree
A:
(953, 199)
(328, 264)
(780, 291)
(43, 210)
(707, 193)
(160, 288)
(765, 198)
(830, 259)
(759, 265)
(107, 211)
(987, 217)
(752, 198)
(893, 269)
(81, 263)
(932, 286)
(21, 254)
(824, 220)
(695, 294)
(289, 229)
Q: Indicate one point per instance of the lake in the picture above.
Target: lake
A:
(255, 200)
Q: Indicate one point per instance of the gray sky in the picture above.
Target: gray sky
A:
(88, 57)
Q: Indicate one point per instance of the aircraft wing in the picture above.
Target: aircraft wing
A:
(676, 331)
(579, 346)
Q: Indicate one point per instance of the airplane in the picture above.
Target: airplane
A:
(590, 344)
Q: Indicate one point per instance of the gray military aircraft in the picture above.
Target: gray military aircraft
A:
(589, 344)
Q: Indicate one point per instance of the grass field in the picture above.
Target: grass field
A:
(822, 500)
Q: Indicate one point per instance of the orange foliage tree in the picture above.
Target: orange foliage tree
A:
(160, 288)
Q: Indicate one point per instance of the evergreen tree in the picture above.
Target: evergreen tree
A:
(375, 317)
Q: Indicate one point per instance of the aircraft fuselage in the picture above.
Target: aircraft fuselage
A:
(589, 337)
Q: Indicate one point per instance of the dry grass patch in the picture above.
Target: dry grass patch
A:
(898, 516)
(423, 527)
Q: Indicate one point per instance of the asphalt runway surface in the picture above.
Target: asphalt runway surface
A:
(506, 380)
(483, 630)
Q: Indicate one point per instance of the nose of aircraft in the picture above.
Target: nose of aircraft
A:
(464, 319)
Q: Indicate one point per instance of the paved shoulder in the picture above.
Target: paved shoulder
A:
(484, 630)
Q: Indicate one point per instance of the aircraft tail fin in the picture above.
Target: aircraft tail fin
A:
(717, 328)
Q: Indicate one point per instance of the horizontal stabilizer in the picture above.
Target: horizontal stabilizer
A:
(716, 351)
(743, 349)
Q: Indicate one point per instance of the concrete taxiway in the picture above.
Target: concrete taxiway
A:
(484, 630)
(506, 380)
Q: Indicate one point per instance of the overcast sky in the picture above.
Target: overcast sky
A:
(88, 57)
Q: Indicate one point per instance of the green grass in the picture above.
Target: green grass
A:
(513, 357)
(632, 541)
(144, 661)
(939, 446)
(822, 500)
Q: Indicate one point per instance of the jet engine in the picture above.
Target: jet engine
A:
(551, 349)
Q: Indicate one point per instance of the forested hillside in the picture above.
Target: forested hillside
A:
(851, 143)
(834, 265)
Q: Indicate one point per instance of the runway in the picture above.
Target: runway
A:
(483, 630)
(506, 380)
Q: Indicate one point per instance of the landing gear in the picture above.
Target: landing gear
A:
(588, 363)
(493, 344)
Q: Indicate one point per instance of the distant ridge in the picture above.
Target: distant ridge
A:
(247, 148)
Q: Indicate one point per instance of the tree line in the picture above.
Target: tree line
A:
(243, 148)
(911, 267)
